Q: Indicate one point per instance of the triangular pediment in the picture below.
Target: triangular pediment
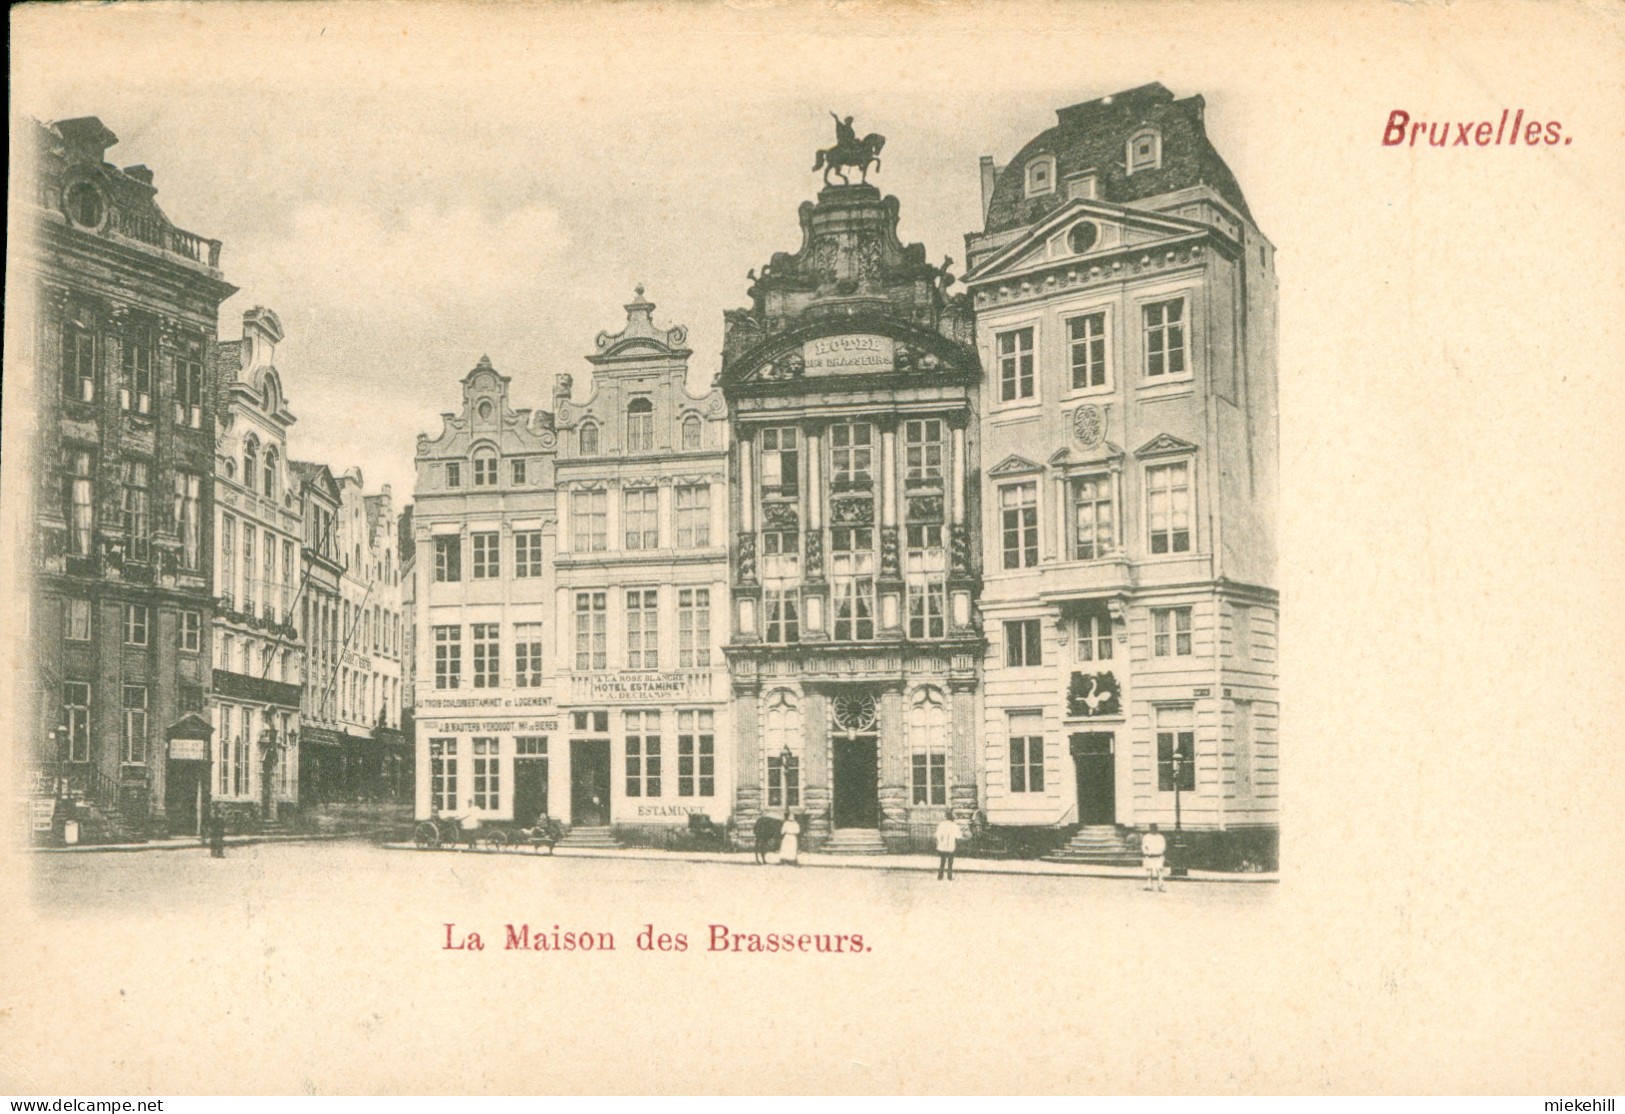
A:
(1014, 466)
(1112, 228)
(1164, 444)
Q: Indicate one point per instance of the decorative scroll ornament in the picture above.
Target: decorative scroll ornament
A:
(1088, 425)
(855, 711)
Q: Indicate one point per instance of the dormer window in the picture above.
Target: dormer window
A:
(485, 467)
(1084, 186)
(640, 426)
(1041, 175)
(1144, 151)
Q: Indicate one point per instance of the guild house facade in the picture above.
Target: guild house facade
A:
(1125, 318)
(120, 320)
(852, 385)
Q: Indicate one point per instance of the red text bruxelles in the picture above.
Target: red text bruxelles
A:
(1403, 131)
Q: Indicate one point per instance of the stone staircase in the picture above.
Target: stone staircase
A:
(589, 837)
(853, 841)
(1098, 845)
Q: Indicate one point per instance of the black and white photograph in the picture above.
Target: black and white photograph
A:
(1009, 548)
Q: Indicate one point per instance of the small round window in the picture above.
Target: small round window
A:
(485, 410)
(84, 204)
(1082, 237)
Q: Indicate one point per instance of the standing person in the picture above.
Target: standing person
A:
(789, 839)
(217, 833)
(1152, 847)
(947, 842)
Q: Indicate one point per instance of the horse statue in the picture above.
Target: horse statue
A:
(849, 151)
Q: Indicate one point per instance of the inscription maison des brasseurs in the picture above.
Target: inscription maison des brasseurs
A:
(717, 938)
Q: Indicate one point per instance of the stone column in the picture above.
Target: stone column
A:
(817, 792)
(956, 475)
(889, 497)
(965, 741)
(747, 758)
(747, 487)
(893, 771)
(665, 515)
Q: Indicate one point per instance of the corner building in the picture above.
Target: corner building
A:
(1125, 311)
(852, 387)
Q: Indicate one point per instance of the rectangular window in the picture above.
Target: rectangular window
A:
(135, 724)
(693, 628)
(1095, 636)
(189, 384)
(443, 775)
(641, 507)
(923, 452)
(527, 554)
(1023, 643)
(76, 620)
(783, 781)
(1087, 336)
(487, 555)
(485, 471)
(454, 473)
(228, 554)
(487, 656)
(448, 657)
(1026, 752)
(191, 631)
(249, 567)
(592, 631)
(1171, 632)
(76, 719)
(136, 519)
(1165, 338)
(589, 521)
(80, 501)
(693, 515)
(851, 450)
(517, 467)
(929, 778)
(696, 753)
(1168, 507)
(448, 558)
(597, 722)
(78, 364)
(530, 746)
(781, 463)
(1016, 365)
(189, 516)
(643, 754)
(1092, 517)
(642, 629)
(527, 655)
(926, 609)
(1176, 748)
(854, 602)
(137, 362)
(783, 614)
(1018, 509)
(781, 554)
(137, 620)
(487, 774)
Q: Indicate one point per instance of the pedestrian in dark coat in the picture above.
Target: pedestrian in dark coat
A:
(766, 832)
(217, 835)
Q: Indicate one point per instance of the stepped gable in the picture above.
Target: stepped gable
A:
(1092, 138)
(850, 273)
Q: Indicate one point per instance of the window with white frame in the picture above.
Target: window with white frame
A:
(640, 426)
(76, 619)
(1164, 339)
(191, 631)
(641, 517)
(189, 516)
(527, 655)
(1144, 151)
(487, 547)
(137, 364)
(1041, 175)
(1176, 748)
(1018, 520)
(448, 558)
(516, 471)
(691, 432)
(527, 554)
(78, 363)
(589, 520)
(137, 519)
(485, 467)
(269, 473)
(924, 569)
(137, 622)
(928, 747)
(79, 483)
(1094, 632)
(782, 611)
(781, 742)
(1086, 341)
(443, 775)
(1093, 517)
(643, 754)
(780, 463)
(76, 719)
(454, 473)
(251, 463)
(487, 655)
(1168, 507)
(222, 751)
(487, 774)
(1026, 735)
(696, 753)
(693, 508)
(923, 452)
(448, 657)
(693, 628)
(1170, 632)
(135, 724)
(852, 582)
(1015, 354)
(592, 631)
(851, 447)
(1023, 643)
(189, 383)
(642, 628)
(587, 439)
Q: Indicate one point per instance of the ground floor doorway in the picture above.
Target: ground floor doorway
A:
(186, 791)
(530, 790)
(1092, 756)
(589, 782)
(856, 790)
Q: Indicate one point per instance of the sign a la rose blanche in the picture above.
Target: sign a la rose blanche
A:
(847, 355)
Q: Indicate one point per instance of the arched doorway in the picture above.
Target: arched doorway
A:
(854, 751)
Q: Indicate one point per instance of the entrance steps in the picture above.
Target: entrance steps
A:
(853, 841)
(1098, 845)
(589, 837)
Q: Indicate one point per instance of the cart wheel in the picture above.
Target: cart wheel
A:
(497, 839)
(425, 835)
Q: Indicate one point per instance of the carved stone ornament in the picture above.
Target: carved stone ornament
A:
(845, 512)
(780, 516)
(855, 711)
(548, 439)
(925, 508)
(1088, 425)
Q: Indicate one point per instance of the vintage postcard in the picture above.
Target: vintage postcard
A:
(801, 549)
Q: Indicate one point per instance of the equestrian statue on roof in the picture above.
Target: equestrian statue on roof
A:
(849, 150)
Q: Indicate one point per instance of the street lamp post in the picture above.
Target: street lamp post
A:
(269, 748)
(1176, 865)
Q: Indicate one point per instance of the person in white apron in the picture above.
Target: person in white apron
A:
(789, 843)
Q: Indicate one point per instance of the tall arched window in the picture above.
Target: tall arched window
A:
(928, 747)
(588, 438)
(269, 487)
(640, 426)
(485, 467)
(691, 432)
(781, 741)
(251, 457)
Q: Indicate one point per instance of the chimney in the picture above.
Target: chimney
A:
(140, 172)
(87, 136)
(990, 176)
